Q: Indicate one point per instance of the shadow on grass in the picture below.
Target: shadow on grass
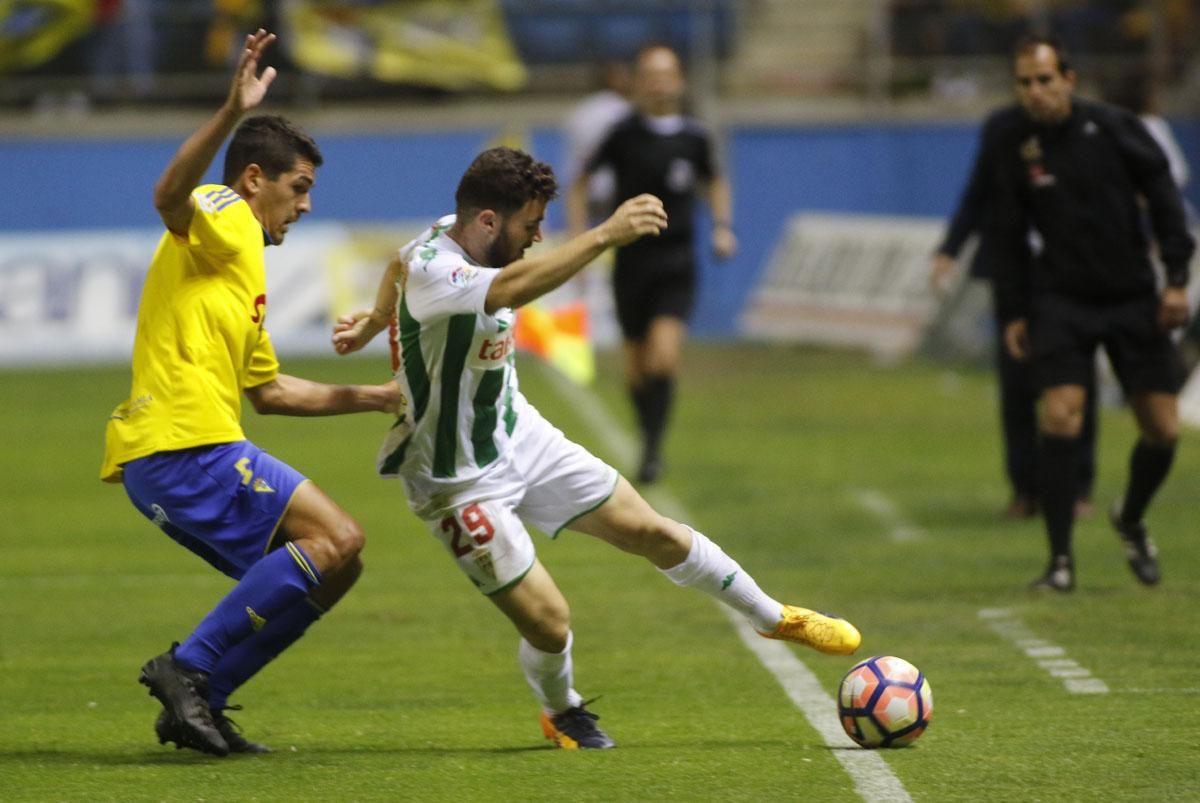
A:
(167, 757)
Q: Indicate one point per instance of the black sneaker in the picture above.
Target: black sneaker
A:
(182, 693)
(168, 730)
(576, 729)
(1059, 576)
(1140, 551)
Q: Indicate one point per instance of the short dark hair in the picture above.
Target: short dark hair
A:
(504, 180)
(271, 142)
(1029, 42)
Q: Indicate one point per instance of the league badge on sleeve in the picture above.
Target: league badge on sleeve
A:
(463, 276)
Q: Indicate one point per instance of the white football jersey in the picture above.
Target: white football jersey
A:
(457, 370)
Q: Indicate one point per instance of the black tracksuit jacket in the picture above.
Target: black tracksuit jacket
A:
(1093, 188)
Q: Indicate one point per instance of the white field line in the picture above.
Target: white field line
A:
(873, 779)
(1050, 657)
(884, 509)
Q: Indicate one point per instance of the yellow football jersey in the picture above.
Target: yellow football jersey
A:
(200, 338)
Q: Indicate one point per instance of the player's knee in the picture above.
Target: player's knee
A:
(1061, 420)
(349, 540)
(337, 545)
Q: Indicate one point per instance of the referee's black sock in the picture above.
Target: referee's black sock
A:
(637, 394)
(659, 392)
(1148, 467)
(1058, 474)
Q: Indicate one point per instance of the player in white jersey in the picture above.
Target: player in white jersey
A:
(477, 460)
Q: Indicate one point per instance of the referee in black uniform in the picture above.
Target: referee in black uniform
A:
(1093, 184)
(1018, 395)
(658, 150)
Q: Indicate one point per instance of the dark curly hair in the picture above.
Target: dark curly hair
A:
(271, 142)
(503, 180)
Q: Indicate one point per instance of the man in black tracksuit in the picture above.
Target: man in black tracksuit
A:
(1018, 395)
(1092, 183)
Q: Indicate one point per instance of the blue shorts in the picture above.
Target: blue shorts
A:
(222, 502)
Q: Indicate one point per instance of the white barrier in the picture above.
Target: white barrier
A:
(855, 280)
(72, 296)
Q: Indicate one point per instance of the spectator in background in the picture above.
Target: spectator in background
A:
(658, 151)
(222, 39)
(123, 53)
(588, 124)
(1085, 176)
(1018, 395)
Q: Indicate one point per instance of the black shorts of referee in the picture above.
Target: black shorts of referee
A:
(659, 282)
(1064, 333)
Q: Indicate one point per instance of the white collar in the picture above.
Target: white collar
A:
(666, 125)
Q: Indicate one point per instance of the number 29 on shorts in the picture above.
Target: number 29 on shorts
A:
(467, 528)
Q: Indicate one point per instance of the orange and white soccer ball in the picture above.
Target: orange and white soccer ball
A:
(884, 701)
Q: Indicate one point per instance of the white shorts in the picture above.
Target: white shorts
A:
(545, 480)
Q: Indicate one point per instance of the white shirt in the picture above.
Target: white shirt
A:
(458, 371)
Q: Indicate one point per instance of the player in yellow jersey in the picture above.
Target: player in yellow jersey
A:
(177, 443)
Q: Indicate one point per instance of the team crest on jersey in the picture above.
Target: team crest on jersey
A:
(680, 175)
(483, 562)
(463, 276)
(1031, 152)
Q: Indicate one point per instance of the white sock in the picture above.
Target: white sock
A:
(550, 676)
(709, 569)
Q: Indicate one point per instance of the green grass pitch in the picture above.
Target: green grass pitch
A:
(410, 691)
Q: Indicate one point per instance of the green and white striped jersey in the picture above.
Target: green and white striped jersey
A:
(457, 370)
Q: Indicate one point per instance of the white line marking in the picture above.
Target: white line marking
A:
(1050, 657)
(873, 778)
(880, 504)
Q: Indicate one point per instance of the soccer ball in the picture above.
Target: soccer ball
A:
(884, 702)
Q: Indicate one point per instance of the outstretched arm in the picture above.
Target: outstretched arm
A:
(290, 395)
(533, 277)
(173, 192)
(352, 332)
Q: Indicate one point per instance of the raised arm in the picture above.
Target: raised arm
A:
(533, 277)
(173, 192)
